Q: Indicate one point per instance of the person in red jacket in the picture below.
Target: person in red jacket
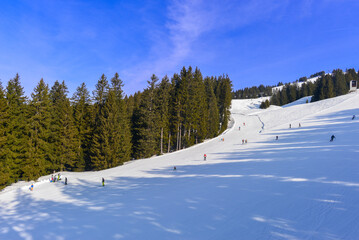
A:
(204, 157)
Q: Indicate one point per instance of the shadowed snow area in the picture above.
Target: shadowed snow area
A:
(300, 186)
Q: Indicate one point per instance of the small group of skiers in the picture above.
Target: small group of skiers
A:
(55, 178)
(244, 141)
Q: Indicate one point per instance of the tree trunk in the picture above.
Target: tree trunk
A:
(189, 134)
(180, 137)
(177, 146)
(169, 142)
(161, 140)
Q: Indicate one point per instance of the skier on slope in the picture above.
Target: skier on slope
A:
(353, 117)
(332, 138)
(31, 187)
(103, 182)
(205, 157)
(65, 180)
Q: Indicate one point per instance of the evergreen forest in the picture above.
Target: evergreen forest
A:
(326, 86)
(51, 131)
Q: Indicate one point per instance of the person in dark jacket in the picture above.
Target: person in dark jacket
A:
(332, 138)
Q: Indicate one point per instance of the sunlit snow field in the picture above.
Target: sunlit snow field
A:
(300, 186)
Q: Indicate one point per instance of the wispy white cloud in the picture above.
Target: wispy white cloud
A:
(187, 21)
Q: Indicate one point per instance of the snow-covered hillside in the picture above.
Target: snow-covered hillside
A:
(300, 186)
(298, 84)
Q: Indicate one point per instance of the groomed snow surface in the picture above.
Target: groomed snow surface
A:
(300, 186)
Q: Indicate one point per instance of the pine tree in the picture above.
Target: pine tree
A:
(200, 124)
(120, 135)
(340, 85)
(4, 123)
(64, 137)
(212, 113)
(224, 100)
(146, 128)
(319, 93)
(310, 88)
(16, 137)
(83, 115)
(100, 135)
(283, 97)
(304, 90)
(163, 101)
(176, 109)
(329, 88)
(39, 159)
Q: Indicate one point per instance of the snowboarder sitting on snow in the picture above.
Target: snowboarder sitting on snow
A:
(332, 138)
(103, 182)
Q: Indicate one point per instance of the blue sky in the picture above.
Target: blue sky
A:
(254, 41)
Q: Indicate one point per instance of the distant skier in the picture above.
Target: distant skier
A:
(58, 177)
(290, 125)
(276, 137)
(239, 128)
(300, 125)
(353, 117)
(65, 180)
(174, 168)
(205, 157)
(244, 124)
(103, 182)
(31, 187)
(332, 138)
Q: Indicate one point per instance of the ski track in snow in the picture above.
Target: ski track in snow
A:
(298, 187)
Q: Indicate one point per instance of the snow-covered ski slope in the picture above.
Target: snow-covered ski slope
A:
(300, 186)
